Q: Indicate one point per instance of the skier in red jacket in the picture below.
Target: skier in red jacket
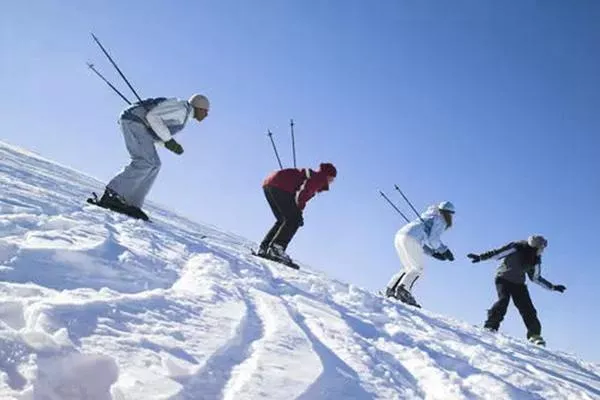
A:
(288, 191)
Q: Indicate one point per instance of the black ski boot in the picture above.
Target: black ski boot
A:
(389, 292)
(113, 201)
(277, 253)
(406, 297)
(537, 340)
(262, 252)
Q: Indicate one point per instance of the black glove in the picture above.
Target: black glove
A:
(559, 288)
(174, 146)
(427, 250)
(474, 257)
(439, 256)
(448, 255)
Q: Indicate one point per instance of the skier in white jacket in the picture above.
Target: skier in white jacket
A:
(143, 125)
(413, 241)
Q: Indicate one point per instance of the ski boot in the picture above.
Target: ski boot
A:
(276, 253)
(389, 292)
(537, 340)
(262, 252)
(406, 297)
(111, 200)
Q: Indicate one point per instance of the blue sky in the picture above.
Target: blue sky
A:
(492, 105)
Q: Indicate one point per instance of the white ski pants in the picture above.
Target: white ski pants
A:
(137, 178)
(412, 258)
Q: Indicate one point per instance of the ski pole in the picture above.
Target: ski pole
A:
(393, 205)
(270, 135)
(91, 66)
(116, 67)
(293, 141)
(409, 203)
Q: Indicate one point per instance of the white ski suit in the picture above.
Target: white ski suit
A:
(141, 130)
(412, 241)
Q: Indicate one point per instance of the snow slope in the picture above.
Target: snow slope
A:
(97, 306)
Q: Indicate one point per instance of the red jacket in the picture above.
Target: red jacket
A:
(304, 183)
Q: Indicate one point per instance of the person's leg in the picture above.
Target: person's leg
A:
(523, 302)
(266, 242)
(135, 181)
(498, 311)
(292, 216)
(394, 282)
(411, 256)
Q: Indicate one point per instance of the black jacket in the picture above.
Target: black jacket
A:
(518, 258)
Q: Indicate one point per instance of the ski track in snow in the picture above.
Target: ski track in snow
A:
(97, 306)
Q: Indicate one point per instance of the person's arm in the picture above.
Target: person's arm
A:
(497, 254)
(309, 188)
(170, 109)
(535, 275)
(438, 226)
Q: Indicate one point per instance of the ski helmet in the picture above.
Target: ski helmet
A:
(537, 241)
(447, 206)
(199, 101)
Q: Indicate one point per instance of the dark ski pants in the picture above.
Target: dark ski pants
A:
(522, 300)
(288, 215)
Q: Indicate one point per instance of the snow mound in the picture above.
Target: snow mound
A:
(94, 305)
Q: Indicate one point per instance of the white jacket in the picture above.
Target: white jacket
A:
(428, 229)
(169, 117)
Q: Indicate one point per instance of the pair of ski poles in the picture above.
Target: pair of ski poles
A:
(118, 92)
(270, 135)
(396, 208)
(91, 66)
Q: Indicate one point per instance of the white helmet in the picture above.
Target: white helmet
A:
(446, 206)
(199, 101)
(537, 241)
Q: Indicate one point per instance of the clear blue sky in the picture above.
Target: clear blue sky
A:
(492, 105)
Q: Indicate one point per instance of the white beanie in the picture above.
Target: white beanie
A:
(199, 101)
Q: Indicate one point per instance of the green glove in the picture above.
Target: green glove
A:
(174, 146)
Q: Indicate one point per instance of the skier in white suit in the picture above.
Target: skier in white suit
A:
(144, 124)
(416, 239)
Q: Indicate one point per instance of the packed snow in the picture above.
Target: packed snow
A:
(94, 305)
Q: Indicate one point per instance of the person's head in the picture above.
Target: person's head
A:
(201, 106)
(538, 242)
(447, 210)
(330, 172)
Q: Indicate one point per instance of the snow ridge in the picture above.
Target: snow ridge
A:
(97, 306)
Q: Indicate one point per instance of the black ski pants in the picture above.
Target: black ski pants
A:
(522, 300)
(288, 215)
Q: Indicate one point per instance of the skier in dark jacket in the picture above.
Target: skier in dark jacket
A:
(288, 191)
(518, 258)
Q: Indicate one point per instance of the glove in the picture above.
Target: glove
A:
(474, 257)
(448, 255)
(427, 250)
(559, 288)
(174, 146)
(439, 256)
